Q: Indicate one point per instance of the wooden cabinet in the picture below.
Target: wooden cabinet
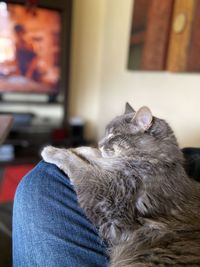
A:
(165, 35)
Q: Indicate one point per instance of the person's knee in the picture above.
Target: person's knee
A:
(29, 187)
(36, 190)
(26, 194)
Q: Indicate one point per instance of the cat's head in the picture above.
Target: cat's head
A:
(136, 131)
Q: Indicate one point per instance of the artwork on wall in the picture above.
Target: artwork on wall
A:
(165, 36)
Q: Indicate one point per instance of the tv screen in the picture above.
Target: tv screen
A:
(29, 49)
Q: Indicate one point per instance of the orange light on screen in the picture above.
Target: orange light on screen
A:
(7, 50)
(29, 49)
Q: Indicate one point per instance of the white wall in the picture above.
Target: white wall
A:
(87, 44)
(107, 84)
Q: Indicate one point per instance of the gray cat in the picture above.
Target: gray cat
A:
(134, 188)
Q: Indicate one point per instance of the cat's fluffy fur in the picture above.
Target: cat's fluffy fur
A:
(135, 189)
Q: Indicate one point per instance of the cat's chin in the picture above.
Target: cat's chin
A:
(103, 153)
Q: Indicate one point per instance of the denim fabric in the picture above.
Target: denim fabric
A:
(49, 228)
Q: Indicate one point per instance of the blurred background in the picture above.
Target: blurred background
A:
(67, 67)
(101, 78)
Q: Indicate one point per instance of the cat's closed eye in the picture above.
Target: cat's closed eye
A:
(127, 120)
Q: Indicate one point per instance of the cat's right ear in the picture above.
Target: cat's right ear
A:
(143, 118)
(128, 109)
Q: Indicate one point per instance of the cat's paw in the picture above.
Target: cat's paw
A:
(49, 154)
(88, 151)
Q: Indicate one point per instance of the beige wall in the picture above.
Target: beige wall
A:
(101, 83)
(87, 43)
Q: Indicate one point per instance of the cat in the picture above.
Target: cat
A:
(134, 188)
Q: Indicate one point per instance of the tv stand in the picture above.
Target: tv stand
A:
(52, 98)
(30, 133)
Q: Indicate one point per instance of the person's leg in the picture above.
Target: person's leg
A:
(49, 227)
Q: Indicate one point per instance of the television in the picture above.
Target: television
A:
(31, 49)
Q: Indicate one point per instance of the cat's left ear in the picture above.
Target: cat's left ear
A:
(143, 118)
(128, 109)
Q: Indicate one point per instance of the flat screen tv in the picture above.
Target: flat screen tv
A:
(30, 49)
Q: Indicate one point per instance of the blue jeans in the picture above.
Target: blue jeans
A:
(49, 227)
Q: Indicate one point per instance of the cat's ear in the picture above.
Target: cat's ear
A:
(128, 109)
(143, 118)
